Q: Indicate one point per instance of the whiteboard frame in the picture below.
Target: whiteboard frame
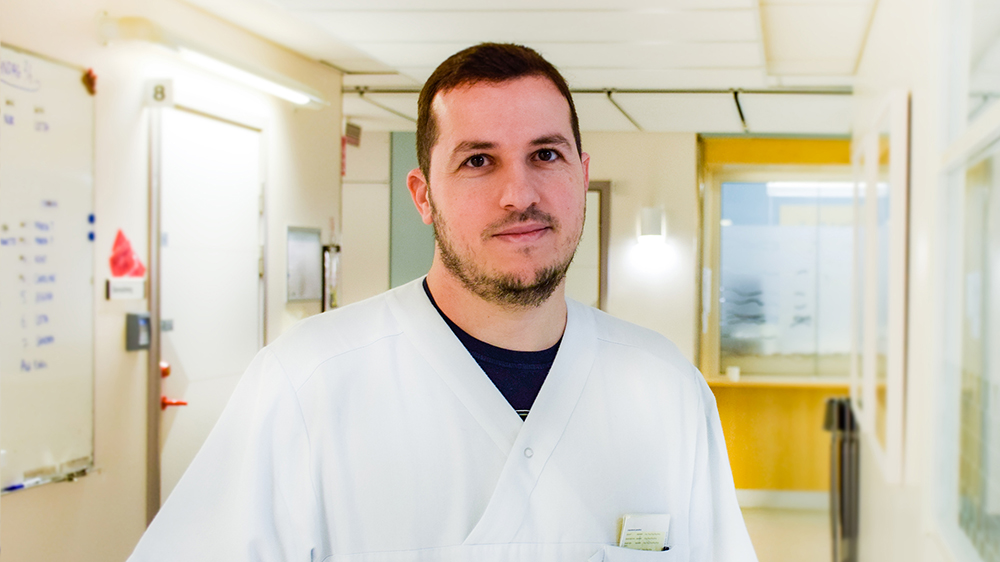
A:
(76, 471)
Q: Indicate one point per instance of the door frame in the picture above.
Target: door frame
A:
(155, 108)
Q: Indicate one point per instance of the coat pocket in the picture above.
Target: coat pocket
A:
(617, 554)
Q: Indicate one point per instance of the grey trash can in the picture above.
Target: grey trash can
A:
(844, 478)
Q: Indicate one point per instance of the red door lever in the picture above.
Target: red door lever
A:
(164, 402)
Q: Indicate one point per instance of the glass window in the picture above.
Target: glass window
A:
(786, 251)
(883, 204)
(979, 447)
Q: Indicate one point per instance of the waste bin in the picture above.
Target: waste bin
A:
(844, 473)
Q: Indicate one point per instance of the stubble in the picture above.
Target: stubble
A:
(508, 290)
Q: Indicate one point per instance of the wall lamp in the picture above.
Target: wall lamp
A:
(652, 225)
(141, 29)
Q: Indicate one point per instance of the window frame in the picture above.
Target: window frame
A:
(709, 353)
(965, 142)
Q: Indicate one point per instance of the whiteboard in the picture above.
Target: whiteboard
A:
(46, 271)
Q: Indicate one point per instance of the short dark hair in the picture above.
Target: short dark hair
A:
(486, 62)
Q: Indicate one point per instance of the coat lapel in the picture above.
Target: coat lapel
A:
(541, 432)
(448, 358)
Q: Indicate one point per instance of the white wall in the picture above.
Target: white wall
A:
(364, 236)
(652, 287)
(902, 52)
(101, 516)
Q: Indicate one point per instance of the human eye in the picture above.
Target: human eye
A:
(547, 155)
(476, 161)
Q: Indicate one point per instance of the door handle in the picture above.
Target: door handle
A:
(164, 402)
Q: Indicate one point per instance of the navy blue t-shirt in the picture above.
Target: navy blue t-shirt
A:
(518, 375)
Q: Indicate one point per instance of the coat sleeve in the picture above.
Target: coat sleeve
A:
(248, 493)
(717, 529)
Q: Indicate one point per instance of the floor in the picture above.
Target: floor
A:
(789, 535)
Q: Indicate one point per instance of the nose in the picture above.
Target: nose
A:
(519, 190)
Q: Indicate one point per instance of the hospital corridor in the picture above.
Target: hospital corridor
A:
(215, 213)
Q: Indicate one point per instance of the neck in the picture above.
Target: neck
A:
(515, 328)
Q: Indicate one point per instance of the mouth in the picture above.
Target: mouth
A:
(524, 232)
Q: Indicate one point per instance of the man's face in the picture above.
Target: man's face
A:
(507, 189)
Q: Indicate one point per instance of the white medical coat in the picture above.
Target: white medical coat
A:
(370, 434)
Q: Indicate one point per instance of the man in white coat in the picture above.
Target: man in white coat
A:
(475, 414)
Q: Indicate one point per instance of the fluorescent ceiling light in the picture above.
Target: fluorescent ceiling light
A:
(833, 189)
(242, 76)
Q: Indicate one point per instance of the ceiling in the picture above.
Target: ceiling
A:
(670, 65)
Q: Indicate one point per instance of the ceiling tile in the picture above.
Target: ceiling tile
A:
(813, 2)
(403, 103)
(513, 5)
(588, 55)
(391, 80)
(656, 79)
(596, 113)
(816, 81)
(371, 117)
(813, 66)
(690, 113)
(807, 114)
(354, 106)
(387, 123)
(537, 26)
(277, 24)
(808, 32)
(677, 79)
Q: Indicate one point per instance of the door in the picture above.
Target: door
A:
(210, 282)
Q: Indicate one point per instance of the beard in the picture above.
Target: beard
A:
(505, 289)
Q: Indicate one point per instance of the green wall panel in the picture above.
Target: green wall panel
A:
(411, 242)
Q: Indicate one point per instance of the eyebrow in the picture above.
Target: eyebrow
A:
(549, 140)
(470, 146)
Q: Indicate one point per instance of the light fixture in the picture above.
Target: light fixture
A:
(135, 28)
(652, 258)
(652, 225)
(243, 77)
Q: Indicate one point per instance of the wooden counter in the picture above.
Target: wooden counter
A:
(774, 430)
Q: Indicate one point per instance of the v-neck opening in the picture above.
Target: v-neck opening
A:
(528, 445)
(542, 430)
(449, 359)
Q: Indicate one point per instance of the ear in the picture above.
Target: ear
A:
(417, 184)
(585, 160)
